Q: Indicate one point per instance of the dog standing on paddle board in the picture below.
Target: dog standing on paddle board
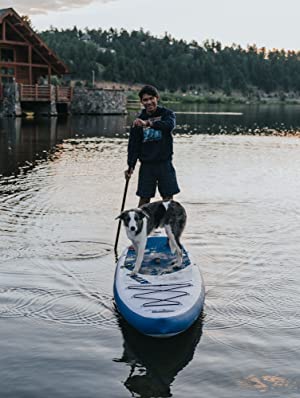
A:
(140, 222)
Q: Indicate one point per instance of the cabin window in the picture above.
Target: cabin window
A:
(7, 74)
(7, 71)
(7, 55)
(7, 79)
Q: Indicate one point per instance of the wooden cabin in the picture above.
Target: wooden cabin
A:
(28, 61)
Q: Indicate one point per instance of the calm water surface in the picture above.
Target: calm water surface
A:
(61, 185)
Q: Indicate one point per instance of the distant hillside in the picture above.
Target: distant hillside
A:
(138, 57)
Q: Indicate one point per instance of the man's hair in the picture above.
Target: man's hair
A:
(150, 90)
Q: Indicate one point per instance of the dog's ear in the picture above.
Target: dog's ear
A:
(121, 216)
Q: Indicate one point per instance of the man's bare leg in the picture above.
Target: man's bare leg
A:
(143, 201)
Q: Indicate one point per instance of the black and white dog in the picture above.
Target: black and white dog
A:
(140, 222)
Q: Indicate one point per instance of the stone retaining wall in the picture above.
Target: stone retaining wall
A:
(98, 101)
(10, 105)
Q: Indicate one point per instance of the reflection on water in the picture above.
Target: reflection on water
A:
(154, 363)
(61, 187)
(239, 119)
(25, 142)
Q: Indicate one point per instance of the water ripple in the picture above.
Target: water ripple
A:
(77, 250)
(71, 307)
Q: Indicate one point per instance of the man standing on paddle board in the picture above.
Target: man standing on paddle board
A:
(151, 142)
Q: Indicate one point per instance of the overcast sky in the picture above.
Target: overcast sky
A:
(269, 23)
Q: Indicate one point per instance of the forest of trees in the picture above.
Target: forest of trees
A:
(168, 63)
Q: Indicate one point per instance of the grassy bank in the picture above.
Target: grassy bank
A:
(203, 96)
(219, 97)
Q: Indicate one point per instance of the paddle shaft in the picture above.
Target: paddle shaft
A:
(122, 208)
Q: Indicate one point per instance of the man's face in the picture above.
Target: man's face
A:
(150, 103)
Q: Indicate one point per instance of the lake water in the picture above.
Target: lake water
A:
(61, 184)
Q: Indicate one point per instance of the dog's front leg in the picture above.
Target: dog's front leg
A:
(139, 257)
(179, 256)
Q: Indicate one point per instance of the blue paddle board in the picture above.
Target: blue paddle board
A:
(162, 300)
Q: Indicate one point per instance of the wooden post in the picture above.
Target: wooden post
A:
(30, 64)
(36, 92)
(4, 30)
(49, 74)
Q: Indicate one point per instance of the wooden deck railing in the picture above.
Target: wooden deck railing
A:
(34, 92)
(41, 93)
(64, 94)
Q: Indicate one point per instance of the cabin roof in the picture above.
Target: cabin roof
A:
(33, 38)
(4, 10)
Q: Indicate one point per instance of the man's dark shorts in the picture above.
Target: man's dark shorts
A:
(161, 175)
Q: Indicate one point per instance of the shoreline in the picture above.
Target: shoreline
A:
(219, 97)
(202, 95)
